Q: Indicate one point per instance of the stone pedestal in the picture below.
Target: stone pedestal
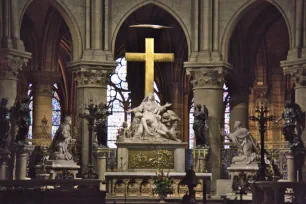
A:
(291, 168)
(21, 151)
(101, 154)
(200, 156)
(4, 157)
(59, 169)
(149, 156)
(235, 170)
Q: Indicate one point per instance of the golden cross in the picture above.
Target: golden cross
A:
(149, 57)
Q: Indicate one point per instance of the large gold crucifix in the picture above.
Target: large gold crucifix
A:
(149, 57)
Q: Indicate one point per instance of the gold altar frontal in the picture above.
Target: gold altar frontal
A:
(151, 156)
(147, 159)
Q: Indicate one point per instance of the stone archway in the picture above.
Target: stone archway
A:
(69, 20)
(162, 6)
(239, 14)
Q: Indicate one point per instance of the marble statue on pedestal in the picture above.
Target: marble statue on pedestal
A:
(61, 140)
(4, 123)
(152, 122)
(292, 129)
(58, 163)
(248, 149)
(23, 114)
(200, 126)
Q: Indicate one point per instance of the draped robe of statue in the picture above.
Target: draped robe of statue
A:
(61, 140)
(248, 150)
(148, 120)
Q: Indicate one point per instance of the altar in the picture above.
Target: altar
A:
(140, 184)
(140, 156)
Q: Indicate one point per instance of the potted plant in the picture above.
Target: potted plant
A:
(162, 185)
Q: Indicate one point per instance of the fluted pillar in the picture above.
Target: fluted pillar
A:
(10, 67)
(42, 106)
(91, 83)
(239, 107)
(12, 54)
(208, 81)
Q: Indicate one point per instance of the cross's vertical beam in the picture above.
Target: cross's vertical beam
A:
(149, 57)
(149, 70)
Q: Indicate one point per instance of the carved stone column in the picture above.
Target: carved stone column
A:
(42, 106)
(11, 63)
(208, 81)
(91, 83)
(239, 103)
(297, 70)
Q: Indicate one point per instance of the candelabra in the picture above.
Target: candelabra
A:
(90, 117)
(262, 119)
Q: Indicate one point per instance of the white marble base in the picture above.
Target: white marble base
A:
(243, 167)
(223, 187)
(58, 167)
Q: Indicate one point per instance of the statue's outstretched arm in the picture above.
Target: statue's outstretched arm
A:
(280, 118)
(135, 110)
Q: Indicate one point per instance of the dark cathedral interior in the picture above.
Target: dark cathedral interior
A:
(152, 101)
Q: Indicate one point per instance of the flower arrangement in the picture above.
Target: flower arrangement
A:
(163, 184)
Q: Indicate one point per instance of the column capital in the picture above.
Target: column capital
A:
(92, 74)
(44, 77)
(101, 152)
(11, 62)
(43, 81)
(21, 148)
(207, 75)
(297, 70)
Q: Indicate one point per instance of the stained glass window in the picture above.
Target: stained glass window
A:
(30, 133)
(191, 132)
(226, 98)
(156, 92)
(119, 101)
(56, 110)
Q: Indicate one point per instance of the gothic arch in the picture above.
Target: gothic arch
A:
(156, 3)
(71, 22)
(225, 40)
